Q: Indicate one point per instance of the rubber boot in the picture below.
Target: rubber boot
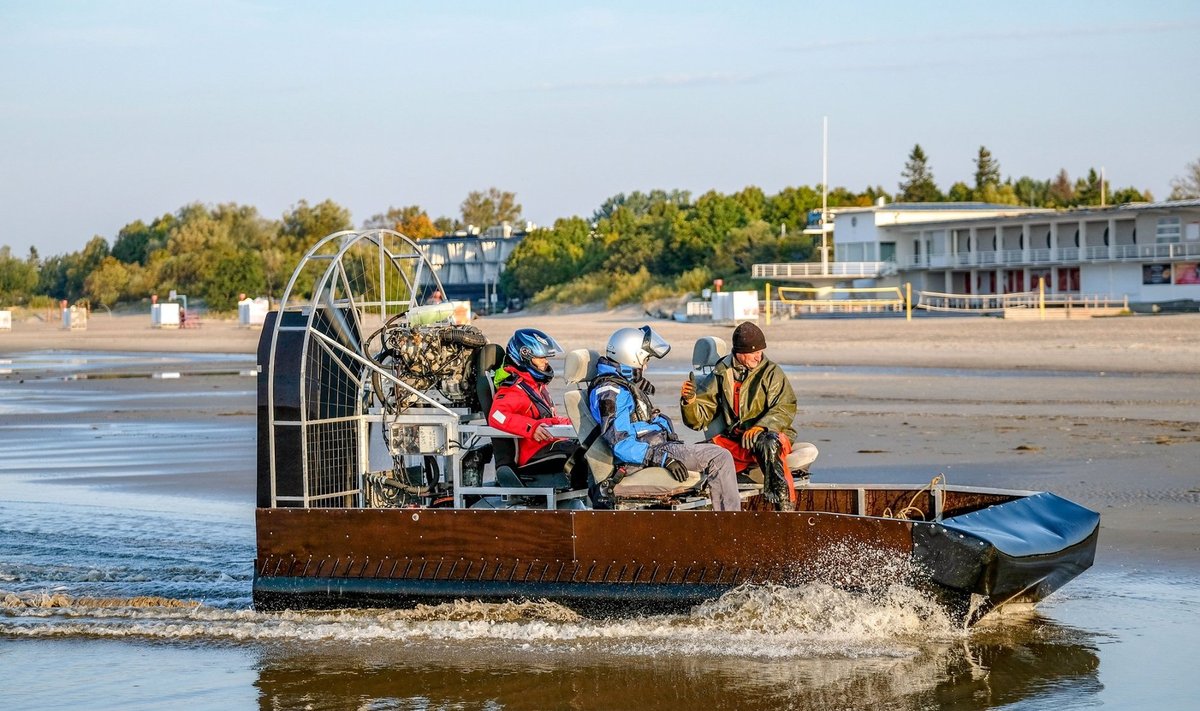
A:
(768, 451)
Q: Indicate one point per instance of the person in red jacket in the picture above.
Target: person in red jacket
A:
(523, 407)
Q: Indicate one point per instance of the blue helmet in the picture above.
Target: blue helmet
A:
(529, 343)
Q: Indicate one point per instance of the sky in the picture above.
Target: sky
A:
(123, 110)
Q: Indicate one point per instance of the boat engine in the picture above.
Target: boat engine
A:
(426, 358)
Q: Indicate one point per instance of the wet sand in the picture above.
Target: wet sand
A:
(1142, 344)
(1103, 411)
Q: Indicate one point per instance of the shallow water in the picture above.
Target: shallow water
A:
(126, 547)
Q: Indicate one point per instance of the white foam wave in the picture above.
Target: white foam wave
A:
(753, 621)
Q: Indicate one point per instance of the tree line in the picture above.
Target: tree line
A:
(633, 245)
(918, 185)
(215, 253)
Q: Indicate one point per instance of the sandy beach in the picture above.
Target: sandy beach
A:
(1105, 411)
(1141, 344)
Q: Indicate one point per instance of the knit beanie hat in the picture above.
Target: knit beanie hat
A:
(748, 338)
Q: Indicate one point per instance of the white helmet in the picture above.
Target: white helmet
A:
(634, 346)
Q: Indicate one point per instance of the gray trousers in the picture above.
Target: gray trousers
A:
(715, 465)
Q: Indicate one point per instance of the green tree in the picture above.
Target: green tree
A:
(1130, 194)
(700, 235)
(626, 246)
(987, 170)
(202, 236)
(88, 260)
(790, 207)
(1187, 186)
(106, 284)
(998, 194)
(1087, 190)
(18, 278)
(753, 202)
(304, 225)
(918, 184)
(872, 194)
(486, 209)
(1032, 192)
(755, 243)
(640, 204)
(960, 192)
(233, 273)
(52, 277)
(549, 257)
(136, 241)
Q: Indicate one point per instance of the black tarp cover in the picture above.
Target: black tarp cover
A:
(1034, 525)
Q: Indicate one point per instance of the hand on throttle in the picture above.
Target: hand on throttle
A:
(750, 435)
(675, 467)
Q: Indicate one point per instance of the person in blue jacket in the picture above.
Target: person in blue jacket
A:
(642, 436)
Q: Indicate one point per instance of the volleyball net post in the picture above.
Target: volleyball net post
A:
(830, 299)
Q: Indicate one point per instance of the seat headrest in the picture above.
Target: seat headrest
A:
(707, 351)
(581, 365)
(489, 357)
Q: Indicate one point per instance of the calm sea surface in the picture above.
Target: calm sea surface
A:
(126, 549)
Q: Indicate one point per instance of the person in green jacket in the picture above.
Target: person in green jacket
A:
(757, 404)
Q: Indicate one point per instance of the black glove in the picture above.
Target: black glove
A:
(675, 467)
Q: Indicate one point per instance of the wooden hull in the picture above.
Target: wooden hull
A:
(623, 561)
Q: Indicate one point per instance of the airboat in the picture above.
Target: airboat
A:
(380, 483)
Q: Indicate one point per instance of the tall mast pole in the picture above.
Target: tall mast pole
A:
(824, 195)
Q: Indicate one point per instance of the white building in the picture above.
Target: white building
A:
(1147, 252)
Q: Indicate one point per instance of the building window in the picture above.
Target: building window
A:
(1169, 230)
(887, 251)
(1068, 279)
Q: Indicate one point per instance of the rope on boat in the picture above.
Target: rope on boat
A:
(909, 511)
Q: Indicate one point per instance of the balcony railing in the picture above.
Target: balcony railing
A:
(1117, 253)
(802, 270)
(935, 301)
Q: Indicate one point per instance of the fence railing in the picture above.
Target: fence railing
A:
(1095, 253)
(800, 270)
(977, 303)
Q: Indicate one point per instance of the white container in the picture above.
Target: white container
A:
(456, 312)
(735, 306)
(253, 312)
(75, 318)
(5, 320)
(164, 315)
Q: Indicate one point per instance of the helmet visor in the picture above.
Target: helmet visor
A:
(547, 347)
(653, 343)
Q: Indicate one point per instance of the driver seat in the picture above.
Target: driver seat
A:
(545, 472)
(705, 354)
